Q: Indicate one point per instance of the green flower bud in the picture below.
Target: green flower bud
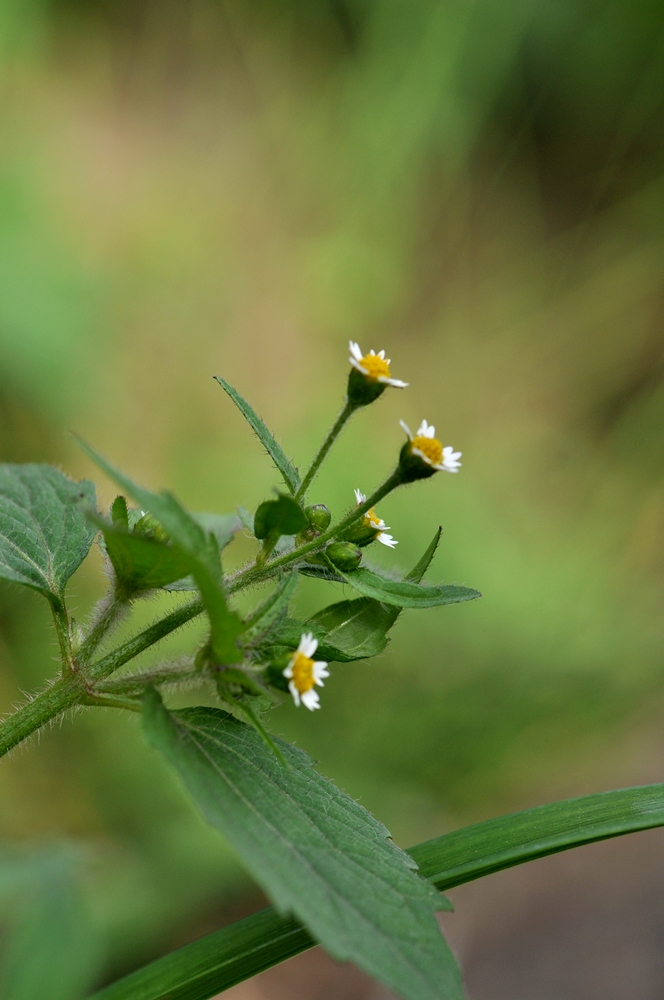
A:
(344, 555)
(362, 533)
(151, 528)
(319, 516)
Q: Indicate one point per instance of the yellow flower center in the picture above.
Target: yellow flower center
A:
(430, 448)
(375, 367)
(371, 520)
(303, 672)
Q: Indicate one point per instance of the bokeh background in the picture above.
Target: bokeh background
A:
(238, 187)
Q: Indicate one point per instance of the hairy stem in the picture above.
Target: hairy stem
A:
(348, 410)
(56, 699)
(108, 613)
(138, 643)
(62, 629)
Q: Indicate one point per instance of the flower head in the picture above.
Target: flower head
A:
(370, 375)
(373, 366)
(373, 526)
(303, 672)
(423, 454)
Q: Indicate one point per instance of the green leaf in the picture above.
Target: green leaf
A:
(313, 849)
(215, 962)
(288, 471)
(44, 533)
(52, 950)
(356, 628)
(200, 548)
(282, 516)
(403, 593)
(141, 563)
(224, 527)
(263, 618)
(422, 565)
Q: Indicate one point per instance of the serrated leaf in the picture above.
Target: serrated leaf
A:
(403, 593)
(282, 516)
(200, 548)
(44, 533)
(288, 471)
(219, 960)
(314, 850)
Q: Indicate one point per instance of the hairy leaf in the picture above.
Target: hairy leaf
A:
(288, 471)
(224, 527)
(422, 565)
(282, 516)
(44, 533)
(314, 850)
(219, 960)
(268, 613)
(403, 593)
(200, 548)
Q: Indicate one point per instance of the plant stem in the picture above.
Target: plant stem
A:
(135, 683)
(255, 574)
(61, 622)
(138, 643)
(56, 699)
(348, 410)
(106, 614)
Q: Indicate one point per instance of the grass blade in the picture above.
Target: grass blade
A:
(220, 960)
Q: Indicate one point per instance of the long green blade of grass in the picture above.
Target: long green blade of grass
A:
(215, 962)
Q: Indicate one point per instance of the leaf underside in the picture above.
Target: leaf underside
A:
(315, 851)
(219, 960)
(44, 533)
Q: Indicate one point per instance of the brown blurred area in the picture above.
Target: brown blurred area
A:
(239, 188)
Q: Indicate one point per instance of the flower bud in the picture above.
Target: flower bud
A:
(344, 555)
(319, 516)
(362, 533)
(151, 528)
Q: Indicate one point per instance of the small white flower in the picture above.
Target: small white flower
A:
(430, 450)
(375, 366)
(372, 520)
(303, 673)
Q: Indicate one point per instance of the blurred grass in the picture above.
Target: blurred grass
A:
(238, 188)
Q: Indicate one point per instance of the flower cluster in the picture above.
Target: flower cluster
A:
(421, 456)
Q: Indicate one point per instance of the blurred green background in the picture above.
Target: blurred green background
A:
(235, 187)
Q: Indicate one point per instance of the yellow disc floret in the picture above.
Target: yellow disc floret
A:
(375, 366)
(303, 672)
(430, 447)
(372, 521)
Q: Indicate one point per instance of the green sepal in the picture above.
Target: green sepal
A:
(412, 467)
(363, 390)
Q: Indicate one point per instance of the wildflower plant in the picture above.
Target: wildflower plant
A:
(331, 869)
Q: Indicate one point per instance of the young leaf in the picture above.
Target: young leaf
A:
(199, 547)
(288, 471)
(313, 849)
(422, 565)
(224, 527)
(44, 533)
(219, 960)
(402, 593)
(141, 563)
(282, 516)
